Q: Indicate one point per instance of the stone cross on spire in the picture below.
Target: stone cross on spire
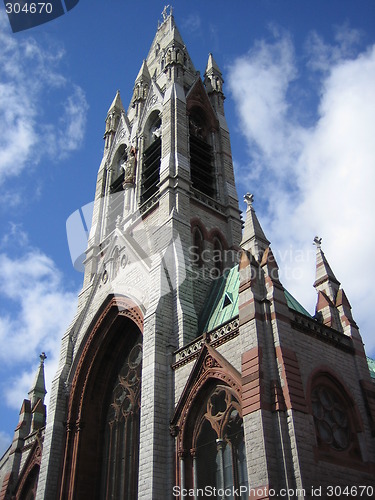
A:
(165, 14)
(325, 280)
(249, 199)
(317, 241)
(253, 238)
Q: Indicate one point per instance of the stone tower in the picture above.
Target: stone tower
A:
(165, 223)
(189, 371)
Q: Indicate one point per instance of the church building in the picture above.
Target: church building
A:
(189, 371)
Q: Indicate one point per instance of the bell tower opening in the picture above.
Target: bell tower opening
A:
(201, 154)
(151, 158)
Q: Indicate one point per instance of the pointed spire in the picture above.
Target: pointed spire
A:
(143, 73)
(325, 280)
(253, 238)
(141, 87)
(212, 67)
(38, 390)
(113, 119)
(116, 104)
(213, 78)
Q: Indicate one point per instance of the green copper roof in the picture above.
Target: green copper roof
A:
(222, 302)
(294, 304)
(371, 367)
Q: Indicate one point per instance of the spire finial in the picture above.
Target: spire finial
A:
(317, 241)
(249, 199)
(165, 13)
(42, 358)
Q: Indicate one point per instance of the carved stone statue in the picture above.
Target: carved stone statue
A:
(129, 166)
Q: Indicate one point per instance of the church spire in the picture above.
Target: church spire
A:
(253, 239)
(116, 104)
(325, 280)
(38, 389)
(141, 87)
(213, 77)
(113, 119)
(213, 81)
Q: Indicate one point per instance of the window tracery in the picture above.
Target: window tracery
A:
(218, 447)
(331, 418)
(151, 158)
(336, 421)
(120, 464)
(201, 154)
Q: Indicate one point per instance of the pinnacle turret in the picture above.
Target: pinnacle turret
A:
(213, 81)
(113, 119)
(253, 239)
(116, 104)
(38, 389)
(213, 77)
(325, 280)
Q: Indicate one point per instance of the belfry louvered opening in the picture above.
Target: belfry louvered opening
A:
(116, 196)
(201, 155)
(151, 170)
(151, 159)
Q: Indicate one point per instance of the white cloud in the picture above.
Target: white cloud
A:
(192, 23)
(323, 56)
(41, 308)
(315, 179)
(30, 81)
(14, 236)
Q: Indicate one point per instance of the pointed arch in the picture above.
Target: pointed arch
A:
(112, 336)
(210, 367)
(28, 478)
(337, 420)
(208, 425)
(199, 236)
(151, 158)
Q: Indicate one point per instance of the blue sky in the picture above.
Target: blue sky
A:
(300, 103)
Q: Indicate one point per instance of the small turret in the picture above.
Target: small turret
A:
(253, 239)
(37, 394)
(113, 119)
(38, 390)
(327, 286)
(213, 81)
(32, 417)
(325, 280)
(141, 87)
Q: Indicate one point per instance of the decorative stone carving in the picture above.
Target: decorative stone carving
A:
(129, 166)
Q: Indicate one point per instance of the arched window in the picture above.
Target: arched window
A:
(102, 433)
(217, 444)
(121, 433)
(28, 491)
(151, 158)
(115, 194)
(336, 423)
(201, 154)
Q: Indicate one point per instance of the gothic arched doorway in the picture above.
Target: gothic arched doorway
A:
(102, 440)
